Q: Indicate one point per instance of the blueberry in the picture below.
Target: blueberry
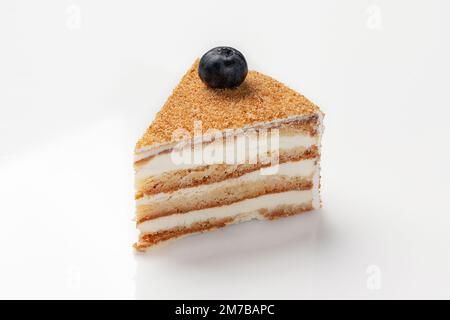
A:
(223, 67)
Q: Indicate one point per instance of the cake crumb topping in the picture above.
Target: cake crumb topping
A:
(258, 99)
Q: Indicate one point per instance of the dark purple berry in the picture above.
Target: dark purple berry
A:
(223, 67)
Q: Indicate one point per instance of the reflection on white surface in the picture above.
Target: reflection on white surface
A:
(67, 216)
(74, 101)
(249, 258)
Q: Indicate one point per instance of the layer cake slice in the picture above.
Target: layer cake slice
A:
(214, 157)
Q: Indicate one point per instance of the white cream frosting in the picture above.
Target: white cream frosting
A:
(248, 208)
(165, 162)
(316, 177)
(302, 168)
(154, 149)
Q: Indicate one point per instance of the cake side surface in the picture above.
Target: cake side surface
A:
(152, 239)
(172, 180)
(230, 194)
(259, 99)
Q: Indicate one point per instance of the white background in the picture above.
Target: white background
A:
(81, 80)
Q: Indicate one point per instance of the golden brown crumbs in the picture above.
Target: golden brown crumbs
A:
(259, 99)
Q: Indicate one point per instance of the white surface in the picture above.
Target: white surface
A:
(75, 98)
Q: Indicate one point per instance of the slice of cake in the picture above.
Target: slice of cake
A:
(227, 146)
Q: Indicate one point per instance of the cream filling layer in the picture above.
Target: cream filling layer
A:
(303, 168)
(151, 150)
(249, 207)
(218, 152)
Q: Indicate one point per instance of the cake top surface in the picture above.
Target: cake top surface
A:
(259, 99)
